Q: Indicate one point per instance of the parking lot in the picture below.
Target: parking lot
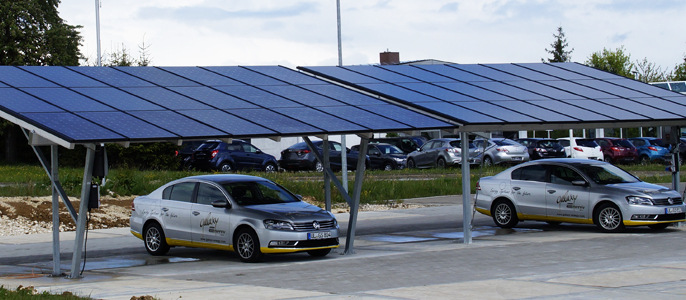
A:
(400, 254)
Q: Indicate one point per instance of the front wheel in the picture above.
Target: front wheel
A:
(504, 214)
(318, 167)
(225, 168)
(319, 252)
(247, 246)
(388, 167)
(440, 163)
(488, 161)
(155, 241)
(411, 164)
(270, 168)
(609, 218)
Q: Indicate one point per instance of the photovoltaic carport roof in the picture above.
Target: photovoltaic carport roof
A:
(483, 97)
(74, 105)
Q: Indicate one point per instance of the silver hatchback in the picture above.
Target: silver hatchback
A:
(500, 151)
(246, 214)
(577, 191)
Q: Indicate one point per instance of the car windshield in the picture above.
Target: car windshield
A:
(258, 192)
(657, 142)
(505, 142)
(624, 143)
(207, 145)
(586, 143)
(548, 143)
(606, 173)
(388, 149)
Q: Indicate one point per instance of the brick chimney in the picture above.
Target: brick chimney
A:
(389, 58)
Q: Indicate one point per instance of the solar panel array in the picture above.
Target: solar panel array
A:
(506, 94)
(112, 104)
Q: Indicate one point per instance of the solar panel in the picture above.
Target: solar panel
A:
(127, 125)
(285, 74)
(63, 76)
(257, 96)
(178, 124)
(278, 122)
(437, 92)
(67, 99)
(453, 73)
(229, 123)
(554, 70)
(547, 114)
(166, 98)
(415, 72)
(473, 91)
(599, 107)
(112, 76)
(642, 87)
(157, 76)
(580, 113)
(342, 74)
(406, 116)
(645, 110)
(524, 73)
(462, 114)
(383, 74)
(485, 71)
(17, 77)
(301, 95)
(578, 89)
(213, 97)
(322, 120)
(342, 94)
(504, 113)
(364, 118)
(511, 91)
(545, 90)
(586, 70)
(398, 92)
(118, 99)
(610, 88)
(245, 75)
(72, 127)
(18, 101)
(201, 75)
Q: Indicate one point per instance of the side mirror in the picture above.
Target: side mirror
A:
(300, 197)
(579, 183)
(221, 203)
(258, 152)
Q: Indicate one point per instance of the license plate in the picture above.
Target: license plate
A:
(673, 210)
(516, 158)
(318, 235)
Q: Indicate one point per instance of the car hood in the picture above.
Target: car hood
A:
(401, 156)
(653, 190)
(293, 211)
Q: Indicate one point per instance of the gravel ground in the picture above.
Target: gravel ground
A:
(29, 215)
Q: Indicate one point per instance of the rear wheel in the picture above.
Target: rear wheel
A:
(488, 161)
(607, 159)
(440, 163)
(644, 159)
(609, 218)
(318, 167)
(247, 246)
(388, 167)
(319, 252)
(155, 241)
(411, 164)
(225, 168)
(270, 168)
(504, 214)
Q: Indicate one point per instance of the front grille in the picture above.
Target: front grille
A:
(672, 217)
(308, 226)
(665, 201)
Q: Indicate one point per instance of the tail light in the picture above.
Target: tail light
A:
(615, 149)
(540, 150)
(502, 150)
(579, 149)
(478, 188)
(214, 153)
(453, 150)
(302, 152)
(176, 153)
(652, 148)
(133, 208)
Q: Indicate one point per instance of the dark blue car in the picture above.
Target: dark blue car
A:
(224, 157)
(650, 149)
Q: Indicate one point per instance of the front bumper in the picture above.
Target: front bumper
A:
(647, 215)
(279, 241)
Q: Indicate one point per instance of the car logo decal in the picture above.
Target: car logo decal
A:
(670, 200)
(316, 225)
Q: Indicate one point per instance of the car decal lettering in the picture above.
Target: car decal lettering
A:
(566, 198)
(211, 223)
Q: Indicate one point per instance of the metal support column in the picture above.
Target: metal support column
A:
(56, 271)
(357, 191)
(327, 179)
(466, 190)
(83, 213)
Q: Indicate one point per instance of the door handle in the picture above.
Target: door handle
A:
(516, 188)
(551, 191)
(195, 213)
(165, 209)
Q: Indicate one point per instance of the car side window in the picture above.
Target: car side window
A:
(602, 143)
(563, 175)
(208, 194)
(335, 146)
(530, 173)
(249, 148)
(182, 192)
(638, 143)
(564, 143)
(373, 151)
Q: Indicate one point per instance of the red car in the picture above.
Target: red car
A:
(618, 150)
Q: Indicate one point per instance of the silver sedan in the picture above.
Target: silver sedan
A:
(246, 214)
(577, 191)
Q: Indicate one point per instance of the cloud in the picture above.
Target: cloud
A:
(450, 7)
(619, 38)
(205, 13)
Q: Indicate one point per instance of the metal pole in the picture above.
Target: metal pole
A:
(466, 191)
(97, 30)
(327, 179)
(357, 191)
(338, 22)
(83, 214)
(56, 271)
(344, 154)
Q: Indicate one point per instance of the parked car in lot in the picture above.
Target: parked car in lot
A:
(442, 153)
(542, 148)
(184, 153)
(384, 156)
(224, 157)
(650, 149)
(576, 191)
(406, 143)
(501, 150)
(299, 157)
(582, 148)
(246, 214)
(616, 150)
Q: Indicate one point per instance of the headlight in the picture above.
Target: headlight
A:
(398, 159)
(635, 200)
(278, 225)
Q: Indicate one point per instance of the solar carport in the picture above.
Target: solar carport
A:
(90, 106)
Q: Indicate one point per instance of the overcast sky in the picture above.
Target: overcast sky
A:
(303, 32)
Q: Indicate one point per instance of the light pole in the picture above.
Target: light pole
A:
(97, 30)
(344, 154)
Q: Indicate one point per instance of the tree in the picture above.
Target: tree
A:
(649, 72)
(559, 46)
(32, 33)
(679, 71)
(617, 62)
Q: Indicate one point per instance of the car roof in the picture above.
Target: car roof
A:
(569, 161)
(223, 178)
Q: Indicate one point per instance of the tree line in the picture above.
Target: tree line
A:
(33, 34)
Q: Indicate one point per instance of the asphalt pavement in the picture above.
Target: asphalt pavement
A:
(399, 254)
